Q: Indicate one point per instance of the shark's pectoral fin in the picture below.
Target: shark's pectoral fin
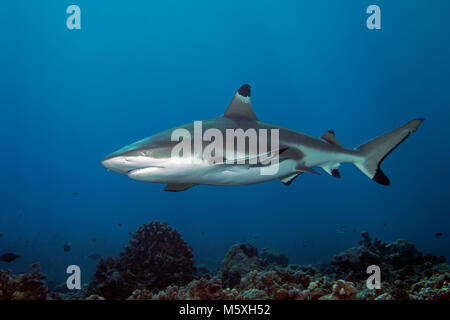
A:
(241, 107)
(303, 168)
(300, 168)
(330, 138)
(288, 180)
(177, 187)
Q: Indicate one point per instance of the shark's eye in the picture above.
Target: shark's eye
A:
(144, 153)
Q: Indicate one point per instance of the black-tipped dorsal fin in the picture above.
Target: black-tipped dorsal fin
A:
(241, 107)
(330, 137)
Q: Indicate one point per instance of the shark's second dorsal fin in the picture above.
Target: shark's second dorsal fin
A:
(241, 107)
(330, 137)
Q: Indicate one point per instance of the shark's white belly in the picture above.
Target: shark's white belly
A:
(235, 175)
(201, 173)
(197, 171)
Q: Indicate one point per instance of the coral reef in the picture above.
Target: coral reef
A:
(158, 265)
(399, 257)
(341, 290)
(156, 257)
(272, 257)
(435, 287)
(24, 286)
(244, 275)
(239, 260)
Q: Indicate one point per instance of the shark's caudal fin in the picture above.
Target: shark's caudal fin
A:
(376, 150)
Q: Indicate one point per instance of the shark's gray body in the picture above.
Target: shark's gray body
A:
(151, 159)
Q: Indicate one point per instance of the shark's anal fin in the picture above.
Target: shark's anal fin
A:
(241, 107)
(288, 180)
(333, 170)
(177, 187)
(330, 138)
(335, 173)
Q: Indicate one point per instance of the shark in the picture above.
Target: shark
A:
(152, 159)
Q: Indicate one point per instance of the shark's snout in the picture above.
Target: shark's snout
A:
(114, 164)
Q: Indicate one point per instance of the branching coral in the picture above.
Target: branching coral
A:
(156, 258)
(24, 286)
(341, 290)
(434, 288)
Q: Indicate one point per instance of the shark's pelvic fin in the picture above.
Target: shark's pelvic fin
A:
(241, 107)
(288, 180)
(177, 187)
(303, 168)
(330, 137)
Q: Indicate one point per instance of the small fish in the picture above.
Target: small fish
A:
(120, 225)
(255, 237)
(305, 246)
(342, 227)
(67, 246)
(9, 257)
(75, 193)
(1, 235)
(93, 239)
(385, 225)
(95, 256)
(130, 233)
(438, 234)
(34, 265)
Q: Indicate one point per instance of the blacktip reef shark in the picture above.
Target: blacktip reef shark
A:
(152, 160)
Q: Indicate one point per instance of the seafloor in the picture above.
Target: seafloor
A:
(159, 265)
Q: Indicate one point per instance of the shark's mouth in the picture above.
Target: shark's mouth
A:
(140, 169)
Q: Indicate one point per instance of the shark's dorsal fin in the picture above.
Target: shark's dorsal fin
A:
(330, 137)
(241, 107)
(177, 187)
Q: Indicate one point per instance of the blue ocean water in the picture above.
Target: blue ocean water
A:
(70, 97)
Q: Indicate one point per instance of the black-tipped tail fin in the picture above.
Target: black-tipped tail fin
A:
(376, 150)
